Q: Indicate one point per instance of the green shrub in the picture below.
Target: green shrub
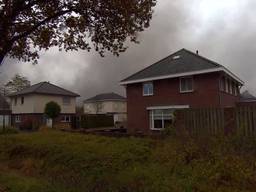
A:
(8, 130)
(96, 121)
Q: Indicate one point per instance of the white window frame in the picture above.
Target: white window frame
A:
(222, 84)
(187, 91)
(230, 87)
(235, 89)
(65, 117)
(148, 94)
(151, 114)
(227, 85)
(152, 126)
(17, 119)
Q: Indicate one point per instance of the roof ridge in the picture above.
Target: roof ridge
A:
(153, 64)
(96, 97)
(61, 88)
(202, 57)
(40, 85)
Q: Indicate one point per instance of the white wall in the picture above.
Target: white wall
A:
(36, 104)
(41, 100)
(105, 107)
(26, 107)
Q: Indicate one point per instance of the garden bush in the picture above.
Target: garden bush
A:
(8, 130)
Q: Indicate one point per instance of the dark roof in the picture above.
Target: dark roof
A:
(247, 97)
(45, 88)
(106, 97)
(3, 103)
(181, 61)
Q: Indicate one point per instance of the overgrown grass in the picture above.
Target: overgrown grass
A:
(13, 182)
(8, 130)
(74, 162)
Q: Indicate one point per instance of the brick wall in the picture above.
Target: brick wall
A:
(166, 92)
(39, 120)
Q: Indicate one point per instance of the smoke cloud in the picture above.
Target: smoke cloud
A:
(223, 31)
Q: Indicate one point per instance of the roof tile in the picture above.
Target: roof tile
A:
(45, 88)
(179, 62)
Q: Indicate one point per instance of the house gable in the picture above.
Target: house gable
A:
(180, 64)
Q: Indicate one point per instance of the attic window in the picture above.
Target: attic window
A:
(176, 57)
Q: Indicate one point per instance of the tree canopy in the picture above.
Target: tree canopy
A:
(28, 26)
(52, 109)
(17, 83)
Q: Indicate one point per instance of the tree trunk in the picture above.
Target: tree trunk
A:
(1, 59)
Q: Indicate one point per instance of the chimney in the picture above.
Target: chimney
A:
(197, 52)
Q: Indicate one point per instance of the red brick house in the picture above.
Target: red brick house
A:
(29, 103)
(181, 80)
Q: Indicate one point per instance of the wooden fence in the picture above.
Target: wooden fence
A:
(240, 120)
(246, 120)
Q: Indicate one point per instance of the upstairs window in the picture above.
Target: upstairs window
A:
(230, 87)
(222, 84)
(186, 84)
(227, 85)
(66, 100)
(235, 89)
(148, 89)
(22, 100)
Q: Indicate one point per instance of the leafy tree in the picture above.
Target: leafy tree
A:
(17, 83)
(52, 110)
(28, 26)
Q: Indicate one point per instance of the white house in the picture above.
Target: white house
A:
(107, 103)
(30, 102)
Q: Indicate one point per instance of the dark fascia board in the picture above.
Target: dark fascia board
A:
(95, 101)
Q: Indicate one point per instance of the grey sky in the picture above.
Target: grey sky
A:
(224, 31)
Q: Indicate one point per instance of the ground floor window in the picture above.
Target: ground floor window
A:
(4, 120)
(66, 118)
(17, 119)
(161, 118)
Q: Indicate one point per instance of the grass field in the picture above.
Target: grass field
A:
(63, 162)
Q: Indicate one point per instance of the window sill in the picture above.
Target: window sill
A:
(148, 95)
(156, 129)
(187, 91)
(229, 93)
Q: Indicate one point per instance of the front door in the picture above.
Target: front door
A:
(49, 122)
